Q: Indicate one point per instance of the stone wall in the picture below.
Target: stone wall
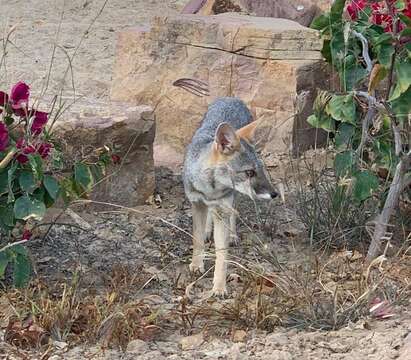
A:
(129, 131)
(263, 61)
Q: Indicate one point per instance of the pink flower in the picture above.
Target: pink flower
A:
(20, 143)
(40, 120)
(19, 96)
(27, 234)
(44, 149)
(22, 158)
(4, 98)
(116, 159)
(380, 13)
(354, 7)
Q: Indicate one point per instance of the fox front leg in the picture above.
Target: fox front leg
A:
(221, 222)
(200, 211)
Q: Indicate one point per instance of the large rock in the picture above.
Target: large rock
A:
(263, 61)
(301, 11)
(130, 131)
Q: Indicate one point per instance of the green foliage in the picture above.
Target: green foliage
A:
(364, 185)
(343, 113)
(33, 176)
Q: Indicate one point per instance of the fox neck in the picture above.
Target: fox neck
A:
(207, 187)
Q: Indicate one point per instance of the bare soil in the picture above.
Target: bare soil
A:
(153, 244)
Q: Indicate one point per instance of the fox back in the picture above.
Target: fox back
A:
(221, 158)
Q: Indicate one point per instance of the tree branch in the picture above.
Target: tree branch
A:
(365, 54)
(381, 223)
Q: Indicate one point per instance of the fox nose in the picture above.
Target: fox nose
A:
(273, 195)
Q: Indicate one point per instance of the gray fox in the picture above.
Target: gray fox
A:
(219, 161)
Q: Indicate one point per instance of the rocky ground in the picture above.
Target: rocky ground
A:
(142, 256)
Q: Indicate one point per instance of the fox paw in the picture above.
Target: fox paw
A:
(196, 267)
(219, 291)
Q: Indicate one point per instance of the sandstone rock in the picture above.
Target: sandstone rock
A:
(192, 342)
(301, 11)
(239, 336)
(277, 355)
(405, 352)
(137, 347)
(127, 129)
(263, 61)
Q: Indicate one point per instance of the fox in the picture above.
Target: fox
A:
(221, 160)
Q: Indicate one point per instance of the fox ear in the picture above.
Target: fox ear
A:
(248, 132)
(226, 139)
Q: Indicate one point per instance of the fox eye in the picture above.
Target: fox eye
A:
(250, 173)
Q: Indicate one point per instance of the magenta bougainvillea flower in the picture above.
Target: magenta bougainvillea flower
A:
(20, 143)
(27, 234)
(39, 122)
(22, 157)
(116, 159)
(354, 7)
(4, 136)
(379, 13)
(44, 149)
(19, 96)
(4, 98)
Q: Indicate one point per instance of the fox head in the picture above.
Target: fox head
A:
(237, 164)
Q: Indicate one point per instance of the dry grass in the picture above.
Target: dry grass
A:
(326, 294)
(67, 313)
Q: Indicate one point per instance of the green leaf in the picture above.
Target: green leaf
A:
(403, 71)
(400, 5)
(8, 120)
(406, 32)
(26, 208)
(337, 10)
(353, 73)
(384, 54)
(27, 182)
(402, 105)
(97, 171)
(83, 177)
(320, 22)
(52, 186)
(4, 182)
(36, 164)
(21, 267)
(321, 122)
(364, 185)
(68, 192)
(4, 261)
(405, 19)
(344, 135)
(326, 51)
(407, 47)
(337, 50)
(7, 215)
(10, 180)
(342, 108)
(385, 38)
(344, 163)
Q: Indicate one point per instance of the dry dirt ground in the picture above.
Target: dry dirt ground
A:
(144, 255)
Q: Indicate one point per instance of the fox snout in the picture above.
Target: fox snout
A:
(266, 192)
(267, 196)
